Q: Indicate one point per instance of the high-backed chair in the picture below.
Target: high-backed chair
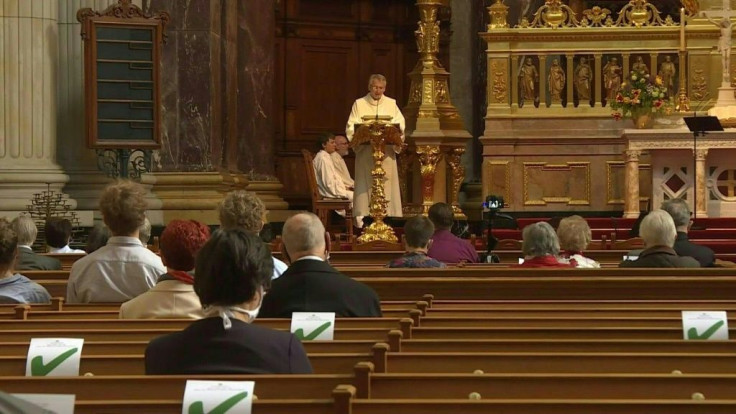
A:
(322, 206)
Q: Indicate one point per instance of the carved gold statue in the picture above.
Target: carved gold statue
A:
(583, 76)
(529, 77)
(639, 65)
(668, 71)
(612, 78)
(556, 81)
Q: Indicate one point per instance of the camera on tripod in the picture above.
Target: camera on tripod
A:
(492, 204)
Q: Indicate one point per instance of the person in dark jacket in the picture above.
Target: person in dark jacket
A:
(659, 234)
(680, 212)
(234, 270)
(310, 284)
(26, 231)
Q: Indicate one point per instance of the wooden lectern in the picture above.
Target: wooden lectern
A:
(378, 131)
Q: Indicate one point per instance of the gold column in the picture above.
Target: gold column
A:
(653, 63)
(700, 197)
(625, 65)
(598, 70)
(570, 84)
(429, 155)
(514, 81)
(631, 200)
(431, 119)
(458, 175)
(542, 82)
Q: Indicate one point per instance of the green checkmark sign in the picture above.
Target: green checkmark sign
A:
(198, 406)
(692, 333)
(39, 369)
(315, 333)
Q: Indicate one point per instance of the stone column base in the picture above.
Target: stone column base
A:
(17, 187)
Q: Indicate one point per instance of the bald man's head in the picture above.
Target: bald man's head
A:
(304, 235)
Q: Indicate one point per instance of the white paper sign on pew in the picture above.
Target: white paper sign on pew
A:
(202, 397)
(313, 326)
(704, 325)
(53, 403)
(54, 357)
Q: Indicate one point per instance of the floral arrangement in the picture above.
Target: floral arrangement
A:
(640, 94)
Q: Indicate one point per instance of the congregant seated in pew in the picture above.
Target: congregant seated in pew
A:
(26, 231)
(98, 237)
(58, 232)
(124, 268)
(418, 231)
(575, 236)
(682, 216)
(659, 234)
(244, 210)
(446, 247)
(310, 284)
(173, 296)
(541, 247)
(233, 272)
(16, 288)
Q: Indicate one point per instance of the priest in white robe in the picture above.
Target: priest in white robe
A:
(375, 103)
(342, 145)
(329, 183)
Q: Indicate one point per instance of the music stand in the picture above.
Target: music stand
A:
(699, 126)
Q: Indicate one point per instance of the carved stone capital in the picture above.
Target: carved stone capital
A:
(632, 155)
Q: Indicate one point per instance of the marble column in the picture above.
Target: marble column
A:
(701, 199)
(79, 162)
(28, 51)
(631, 200)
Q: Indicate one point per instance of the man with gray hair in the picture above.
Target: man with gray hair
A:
(26, 230)
(310, 284)
(659, 234)
(541, 247)
(680, 212)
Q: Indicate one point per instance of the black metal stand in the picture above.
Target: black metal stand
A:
(124, 163)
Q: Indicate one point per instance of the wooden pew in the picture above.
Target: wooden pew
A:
(586, 386)
(155, 387)
(134, 364)
(579, 333)
(550, 362)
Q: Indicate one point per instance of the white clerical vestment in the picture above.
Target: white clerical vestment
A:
(342, 169)
(364, 156)
(328, 180)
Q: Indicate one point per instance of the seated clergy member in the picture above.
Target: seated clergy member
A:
(244, 210)
(173, 296)
(446, 247)
(540, 246)
(58, 232)
(659, 234)
(342, 148)
(311, 284)
(680, 212)
(329, 182)
(575, 236)
(418, 231)
(123, 268)
(233, 272)
(15, 288)
(26, 231)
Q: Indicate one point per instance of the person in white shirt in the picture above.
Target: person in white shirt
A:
(173, 296)
(375, 103)
(124, 268)
(329, 182)
(58, 233)
(342, 149)
(244, 210)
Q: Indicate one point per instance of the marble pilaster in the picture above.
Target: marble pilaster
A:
(700, 196)
(79, 162)
(28, 52)
(631, 201)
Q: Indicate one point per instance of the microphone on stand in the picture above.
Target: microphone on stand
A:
(377, 102)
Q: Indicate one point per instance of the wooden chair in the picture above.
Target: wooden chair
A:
(322, 206)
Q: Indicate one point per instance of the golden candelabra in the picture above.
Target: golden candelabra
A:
(378, 134)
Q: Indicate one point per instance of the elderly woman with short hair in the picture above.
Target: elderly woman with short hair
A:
(575, 236)
(541, 246)
(659, 233)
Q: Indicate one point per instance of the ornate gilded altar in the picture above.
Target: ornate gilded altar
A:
(550, 142)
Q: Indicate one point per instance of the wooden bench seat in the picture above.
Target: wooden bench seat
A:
(134, 364)
(580, 333)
